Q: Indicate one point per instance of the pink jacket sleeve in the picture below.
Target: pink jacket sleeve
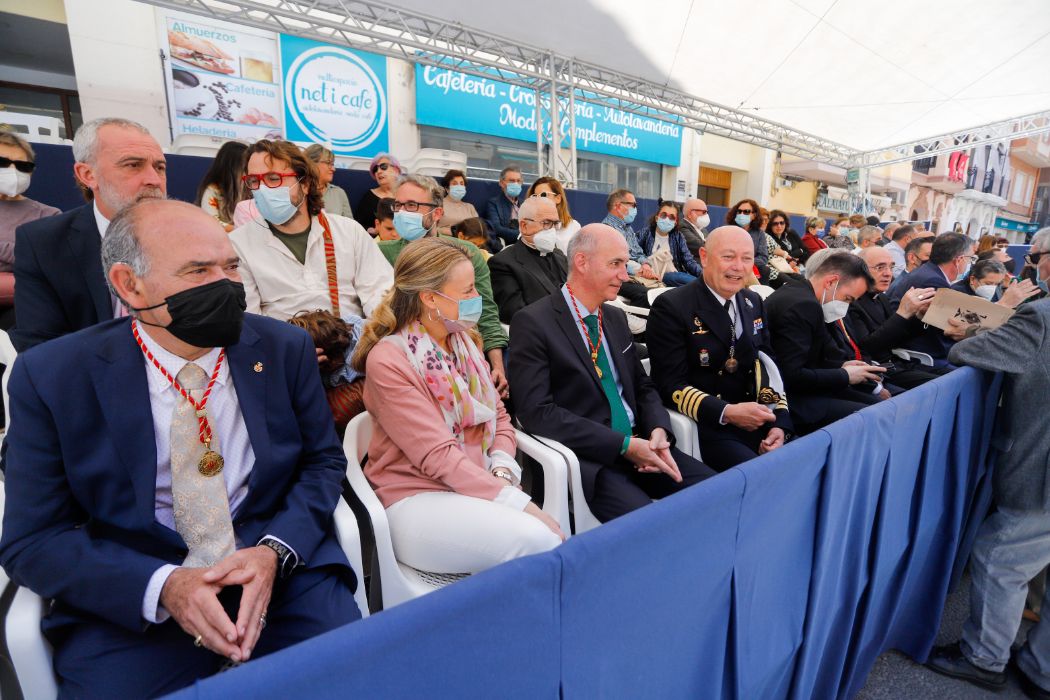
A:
(400, 402)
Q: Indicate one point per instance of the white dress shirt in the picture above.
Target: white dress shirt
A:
(277, 285)
(735, 315)
(103, 226)
(227, 425)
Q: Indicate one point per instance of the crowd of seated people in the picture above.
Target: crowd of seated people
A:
(240, 333)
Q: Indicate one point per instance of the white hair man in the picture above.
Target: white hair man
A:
(59, 283)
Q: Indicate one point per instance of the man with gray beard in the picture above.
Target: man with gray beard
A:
(59, 283)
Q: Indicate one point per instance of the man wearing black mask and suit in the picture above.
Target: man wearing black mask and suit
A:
(59, 283)
(576, 378)
(532, 268)
(822, 382)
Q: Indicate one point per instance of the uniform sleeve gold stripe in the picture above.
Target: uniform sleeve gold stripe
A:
(688, 400)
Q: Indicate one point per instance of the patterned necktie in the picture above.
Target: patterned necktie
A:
(199, 503)
(620, 422)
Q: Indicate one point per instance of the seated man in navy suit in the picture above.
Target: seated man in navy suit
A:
(60, 286)
(171, 477)
(576, 378)
(501, 211)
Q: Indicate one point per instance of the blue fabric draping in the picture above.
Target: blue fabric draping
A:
(783, 578)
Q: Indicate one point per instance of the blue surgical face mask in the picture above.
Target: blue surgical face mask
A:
(275, 204)
(513, 189)
(631, 213)
(665, 225)
(458, 192)
(469, 313)
(409, 225)
(743, 220)
(1043, 284)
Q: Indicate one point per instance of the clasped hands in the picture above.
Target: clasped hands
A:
(190, 595)
(653, 455)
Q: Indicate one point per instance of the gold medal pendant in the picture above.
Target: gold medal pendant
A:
(211, 463)
(731, 365)
(598, 370)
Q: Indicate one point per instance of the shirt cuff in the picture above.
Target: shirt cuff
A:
(626, 444)
(295, 554)
(722, 416)
(512, 497)
(151, 609)
(502, 459)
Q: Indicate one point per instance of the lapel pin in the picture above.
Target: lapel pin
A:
(258, 367)
(748, 302)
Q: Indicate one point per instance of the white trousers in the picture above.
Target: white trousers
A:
(450, 533)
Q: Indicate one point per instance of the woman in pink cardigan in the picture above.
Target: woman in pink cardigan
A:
(441, 459)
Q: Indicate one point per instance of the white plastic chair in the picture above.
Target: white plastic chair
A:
(914, 355)
(30, 652)
(33, 127)
(583, 518)
(197, 145)
(399, 582)
(762, 290)
(7, 358)
(685, 431)
(349, 536)
(436, 161)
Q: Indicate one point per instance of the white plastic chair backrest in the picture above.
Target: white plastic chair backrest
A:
(762, 290)
(33, 127)
(7, 358)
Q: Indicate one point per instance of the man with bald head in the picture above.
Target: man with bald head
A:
(171, 476)
(533, 267)
(705, 341)
(695, 221)
(872, 328)
(576, 377)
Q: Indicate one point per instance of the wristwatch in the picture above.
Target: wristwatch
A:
(504, 473)
(286, 559)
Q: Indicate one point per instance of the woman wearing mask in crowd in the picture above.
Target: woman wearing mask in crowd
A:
(745, 214)
(17, 163)
(335, 200)
(456, 209)
(221, 189)
(812, 240)
(663, 234)
(385, 170)
(550, 187)
(989, 280)
(440, 458)
(787, 239)
(856, 223)
(838, 235)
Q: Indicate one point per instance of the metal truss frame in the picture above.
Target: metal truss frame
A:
(558, 81)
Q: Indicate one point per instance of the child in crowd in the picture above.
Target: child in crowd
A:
(336, 338)
(384, 226)
(474, 231)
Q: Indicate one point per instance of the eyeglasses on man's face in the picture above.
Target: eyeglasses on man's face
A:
(411, 206)
(271, 179)
(545, 224)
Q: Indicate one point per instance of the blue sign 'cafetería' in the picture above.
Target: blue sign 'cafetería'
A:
(455, 100)
(335, 96)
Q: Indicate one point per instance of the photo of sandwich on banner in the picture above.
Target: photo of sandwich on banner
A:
(199, 52)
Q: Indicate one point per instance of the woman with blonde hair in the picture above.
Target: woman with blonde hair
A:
(550, 187)
(440, 458)
(335, 199)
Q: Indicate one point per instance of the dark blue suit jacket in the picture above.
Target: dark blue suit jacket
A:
(79, 524)
(59, 283)
(932, 340)
(498, 212)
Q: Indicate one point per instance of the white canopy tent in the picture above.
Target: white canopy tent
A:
(843, 82)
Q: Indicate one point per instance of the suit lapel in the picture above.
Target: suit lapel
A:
(248, 363)
(119, 376)
(534, 264)
(566, 319)
(86, 245)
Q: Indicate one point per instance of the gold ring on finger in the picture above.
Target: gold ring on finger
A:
(197, 640)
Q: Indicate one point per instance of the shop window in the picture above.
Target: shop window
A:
(63, 105)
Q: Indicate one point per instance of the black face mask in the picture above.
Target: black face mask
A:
(1009, 265)
(208, 316)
